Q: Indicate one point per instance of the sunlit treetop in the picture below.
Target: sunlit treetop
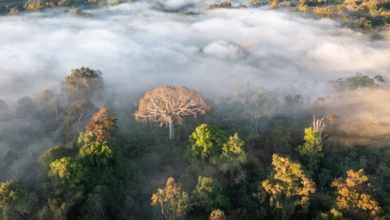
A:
(103, 125)
(217, 214)
(355, 197)
(212, 145)
(167, 104)
(288, 187)
(174, 202)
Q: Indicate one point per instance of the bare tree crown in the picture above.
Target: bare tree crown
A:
(169, 103)
(319, 125)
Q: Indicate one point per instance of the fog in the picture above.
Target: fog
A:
(139, 46)
(142, 45)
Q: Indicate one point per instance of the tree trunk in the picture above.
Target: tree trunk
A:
(78, 124)
(171, 132)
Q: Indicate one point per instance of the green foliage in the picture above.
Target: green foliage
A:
(358, 81)
(97, 182)
(83, 83)
(210, 145)
(99, 173)
(267, 101)
(96, 203)
(15, 201)
(48, 101)
(363, 24)
(75, 118)
(279, 141)
(324, 178)
(207, 196)
(379, 79)
(312, 148)
(233, 154)
(67, 173)
(97, 158)
(58, 207)
(86, 138)
(373, 9)
(26, 108)
(52, 154)
(331, 118)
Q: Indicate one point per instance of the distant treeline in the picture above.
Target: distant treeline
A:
(360, 15)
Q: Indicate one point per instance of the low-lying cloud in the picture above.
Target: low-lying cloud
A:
(138, 47)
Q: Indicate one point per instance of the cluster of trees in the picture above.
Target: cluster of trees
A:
(358, 14)
(260, 154)
(14, 7)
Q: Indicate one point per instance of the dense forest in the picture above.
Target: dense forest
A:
(170, 153)
(129, 145)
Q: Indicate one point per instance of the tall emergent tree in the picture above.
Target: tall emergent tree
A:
(167, 104)
(311, 150)
(83, 83)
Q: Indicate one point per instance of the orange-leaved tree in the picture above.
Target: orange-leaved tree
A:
(173, 200)
(355, 197)
(103, 125)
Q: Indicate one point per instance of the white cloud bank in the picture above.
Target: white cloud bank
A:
(138, 48)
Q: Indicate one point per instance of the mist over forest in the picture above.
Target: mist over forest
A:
(147, 47)
(189, 109)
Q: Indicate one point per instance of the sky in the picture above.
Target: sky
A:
(139, 46)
